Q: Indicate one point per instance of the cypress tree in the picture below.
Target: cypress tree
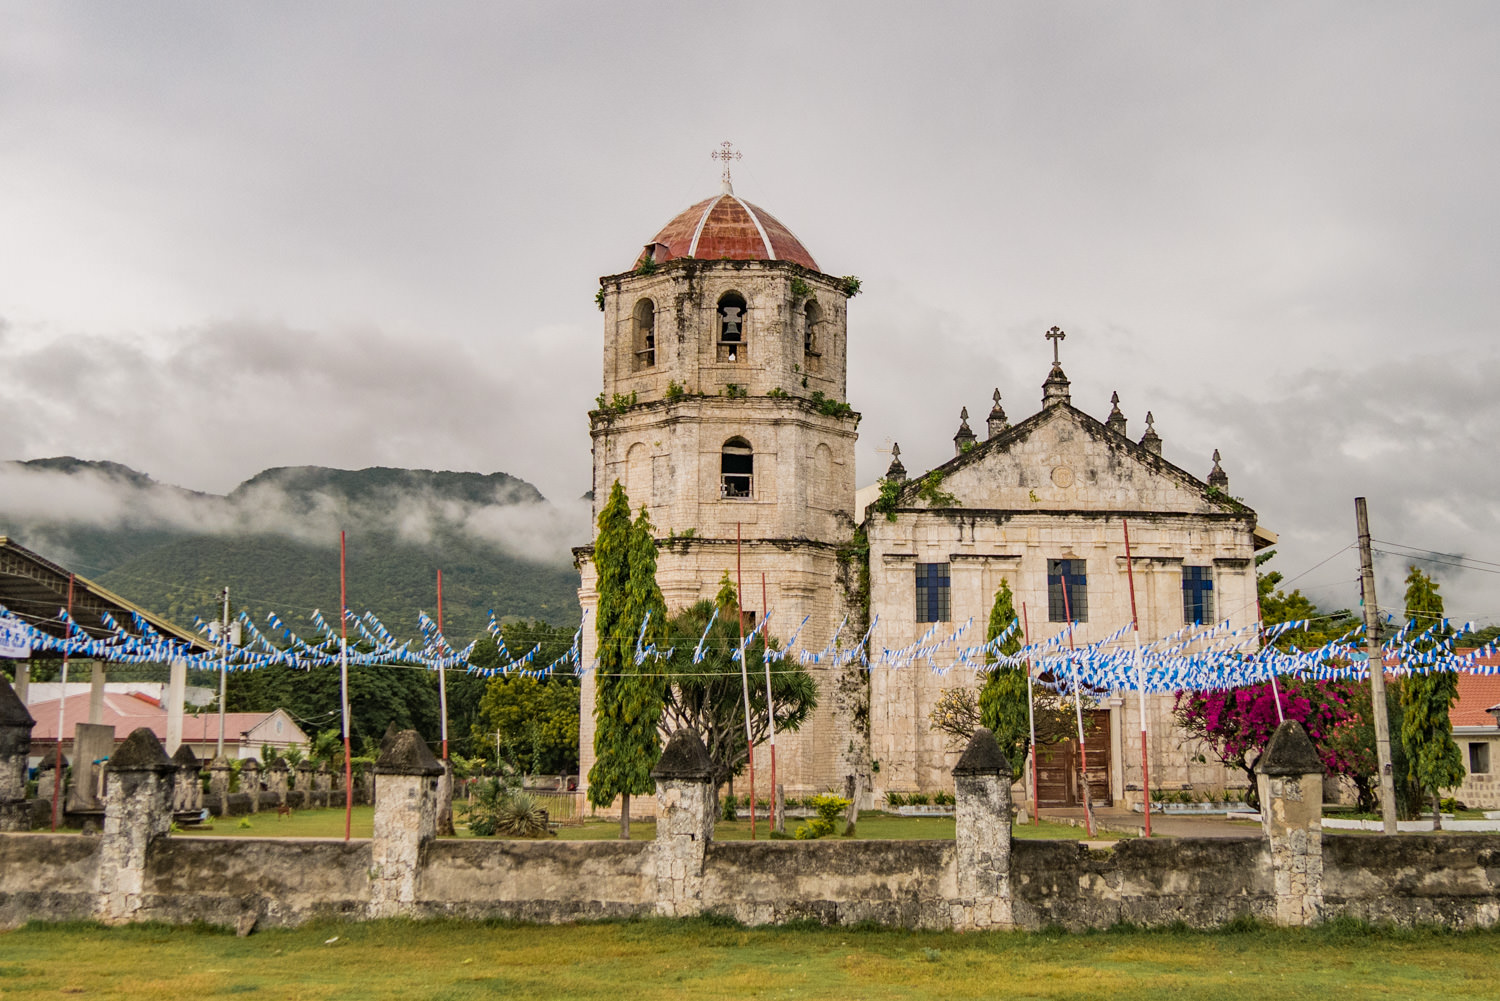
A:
(1003, 697)
(628, 699)
(1426, 730)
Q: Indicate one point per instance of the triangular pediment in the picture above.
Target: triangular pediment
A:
(1061, 459)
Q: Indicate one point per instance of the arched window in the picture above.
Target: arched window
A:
(737, 470)
(644, 334)
(732, 340)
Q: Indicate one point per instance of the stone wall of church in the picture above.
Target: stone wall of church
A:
(983, 547)
(668, 457)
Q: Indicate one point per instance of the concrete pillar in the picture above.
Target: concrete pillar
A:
(15, 744)
(188, 794)
(96, 692)
(322, 785)
(445, 800)
(276, 776)
(23, 680)
(219, 772)
(93, 746)
(685, 808)
(406, 777)
(137, 810)
(1290, 778)
(981, 813)
(250, 782)
(176, 691)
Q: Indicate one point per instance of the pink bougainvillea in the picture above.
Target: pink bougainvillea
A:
(1237, 723)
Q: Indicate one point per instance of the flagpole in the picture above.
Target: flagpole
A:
(1036, 792)
(1140, 682)
(442, 669)
(1083, 750)
(344, 685)
(739, 584)
(57, 767)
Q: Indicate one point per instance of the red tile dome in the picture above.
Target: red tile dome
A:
(726, 226)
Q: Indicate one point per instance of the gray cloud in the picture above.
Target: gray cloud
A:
(241, 238)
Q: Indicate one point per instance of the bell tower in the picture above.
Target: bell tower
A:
(724, 413)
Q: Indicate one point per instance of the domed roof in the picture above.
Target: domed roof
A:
(727, 226)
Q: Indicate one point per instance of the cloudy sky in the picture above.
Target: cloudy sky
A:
(235, 236)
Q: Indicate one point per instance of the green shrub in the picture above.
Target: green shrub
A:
(917, 799)
(830, 808)
(943, 798)
(728, 810)
(894, 799)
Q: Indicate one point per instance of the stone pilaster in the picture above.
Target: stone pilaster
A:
(250, 782)
(685, 807)
(406, 777)
(188, 790)
(137, 810)
(15, 743)
(1290, 778)
(219, 772)
(982, 814)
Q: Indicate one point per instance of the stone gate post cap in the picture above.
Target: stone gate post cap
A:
(277, 765)
(323, 767)
(407, 754)
(250, 765)
(222, 761)
(983, 756)
(141, 752)
(185, 758)
(12, 709)
(306, 766)
(1290, 752)
(684, 758)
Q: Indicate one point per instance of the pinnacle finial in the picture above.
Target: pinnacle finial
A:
(1216, 476)
(1114, 398)
(1151, 441)
(1150, 421)
(996, 397)
(1116, 420)
(997, 421)
(963, 413)
(896, 450)
(895, 472)
(1216, 456)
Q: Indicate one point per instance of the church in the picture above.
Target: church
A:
(724, 412)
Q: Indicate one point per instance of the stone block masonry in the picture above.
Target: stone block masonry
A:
(137, 871)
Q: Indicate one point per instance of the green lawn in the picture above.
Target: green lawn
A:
(872, 824)
(645, 960)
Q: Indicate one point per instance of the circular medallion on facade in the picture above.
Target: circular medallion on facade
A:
(1062, 476)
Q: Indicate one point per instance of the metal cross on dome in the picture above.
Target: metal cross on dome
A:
(725, 152)
(1055, 336)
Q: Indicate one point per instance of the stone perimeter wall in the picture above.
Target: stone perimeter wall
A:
(981, 879)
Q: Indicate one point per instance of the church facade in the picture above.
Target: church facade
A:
(724, 412)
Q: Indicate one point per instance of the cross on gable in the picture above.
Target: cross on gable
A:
(725, 152)
(1055, 335)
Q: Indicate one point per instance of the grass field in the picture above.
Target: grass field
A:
(640, 961)
(873, 825)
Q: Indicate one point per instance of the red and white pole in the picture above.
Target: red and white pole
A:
(1140, 683)
(344, 686)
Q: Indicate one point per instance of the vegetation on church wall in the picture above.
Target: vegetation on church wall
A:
(800, 288)
(599, 299)
(735, 391)
(930, 489)
(777, 393)
(830, 407)
(850, 284)
(615, 405)
(675, 391)
(886, 502)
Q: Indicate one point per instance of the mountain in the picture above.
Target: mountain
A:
(273, 540)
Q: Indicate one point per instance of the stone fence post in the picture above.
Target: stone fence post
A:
(137, 810)
(250, 782)
(187, 792)
(303, 782)
(322, 783)
(15, 743)
(406, 778)
(685, 809)
(276, 773)
(445, 799)
(1290, 779)
(220, 771)
(982, 836)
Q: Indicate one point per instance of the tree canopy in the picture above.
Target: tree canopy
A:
(1433, 759)
(1003, 697)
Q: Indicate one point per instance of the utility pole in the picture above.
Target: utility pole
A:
(223, 667)
(1376, 661)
